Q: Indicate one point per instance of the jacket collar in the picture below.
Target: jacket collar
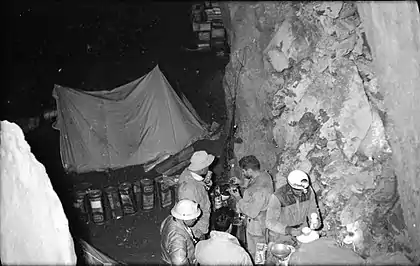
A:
(223, 236)
(187, 229)
(196, 177)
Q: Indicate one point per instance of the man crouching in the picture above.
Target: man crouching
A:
(290, 207)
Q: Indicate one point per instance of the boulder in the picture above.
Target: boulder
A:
(33, 227)
(331, 8)
(389, 259)
(324, 251)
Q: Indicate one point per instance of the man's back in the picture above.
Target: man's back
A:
(221, 249)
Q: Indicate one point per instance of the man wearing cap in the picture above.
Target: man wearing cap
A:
(177, 241)
(289, 208)
(193, 186)
(254, 204)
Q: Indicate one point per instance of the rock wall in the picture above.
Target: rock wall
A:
(309, 99)
(33, 227)
(393, 32)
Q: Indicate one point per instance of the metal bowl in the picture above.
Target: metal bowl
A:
(280, 251)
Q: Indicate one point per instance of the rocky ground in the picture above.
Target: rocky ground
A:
(93, 47)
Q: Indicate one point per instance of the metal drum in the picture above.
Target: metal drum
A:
(113, 197)
(148, 194)
(165, 193)
(137, 194)
(95, 198)
(81, 201)
(81, 206)
(127, 198)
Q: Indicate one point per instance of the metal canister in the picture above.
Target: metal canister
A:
(113, 198)
(260, 253)
(148, 194)
(137, 193)
(81, 202)
(165, 193)
(218, 203)
(127, 198)
(80, 205)
(95, 198)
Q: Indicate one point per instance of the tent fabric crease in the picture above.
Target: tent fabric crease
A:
(129, 125)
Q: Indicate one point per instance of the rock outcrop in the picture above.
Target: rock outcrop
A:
(309, 98)
(33, 227)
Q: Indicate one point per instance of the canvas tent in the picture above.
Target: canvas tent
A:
(129, 125)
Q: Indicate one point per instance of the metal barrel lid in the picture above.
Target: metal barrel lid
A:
(84, 186)
(125, 185)
(95, 193)
(146, 181)
(110, 189)
(80, 193)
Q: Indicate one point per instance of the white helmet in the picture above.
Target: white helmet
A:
(186, 210)
(298, 179)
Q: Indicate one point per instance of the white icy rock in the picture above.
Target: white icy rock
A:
(33, 227)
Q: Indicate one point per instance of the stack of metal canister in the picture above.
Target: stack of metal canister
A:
(114, 202)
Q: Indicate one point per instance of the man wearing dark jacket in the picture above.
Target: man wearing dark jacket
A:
(290, 207)
(177, 240)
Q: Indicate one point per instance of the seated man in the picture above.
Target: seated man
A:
(222, 248)
(290, 207)
(177, 240)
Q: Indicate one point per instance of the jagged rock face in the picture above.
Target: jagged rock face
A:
(393, 33)
(33, 228)
(308, 99)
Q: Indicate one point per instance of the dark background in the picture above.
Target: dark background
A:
(97, 45)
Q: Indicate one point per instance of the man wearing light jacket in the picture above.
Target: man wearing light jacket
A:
(290, 207)
(255, 201)
(193, 184)
(222, 248)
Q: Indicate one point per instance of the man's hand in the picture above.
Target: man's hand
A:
(235, 193)
(198, 235)
(234, 180)
(207, 180)
(295, 230)
(316, 225)
(208, 183)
